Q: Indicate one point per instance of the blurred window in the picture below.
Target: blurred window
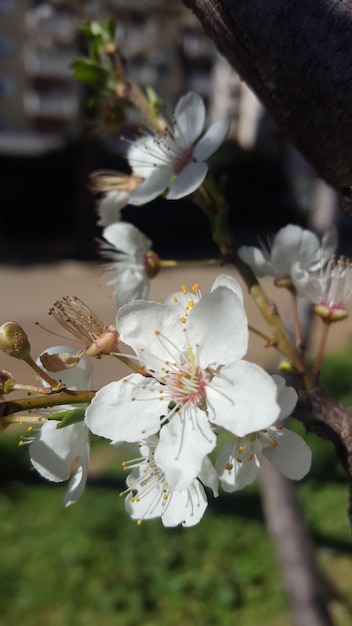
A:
(7, 86)
(6, 46)
(7, 6)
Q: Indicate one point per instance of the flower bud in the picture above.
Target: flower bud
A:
(151, 264)
(7, 381)
(14, 341)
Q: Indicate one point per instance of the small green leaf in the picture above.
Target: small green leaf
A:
(90, 72)
(66, 418)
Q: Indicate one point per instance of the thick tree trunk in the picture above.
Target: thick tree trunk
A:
(297, 58)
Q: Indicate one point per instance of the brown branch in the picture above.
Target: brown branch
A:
(329, 419)
(296, 57)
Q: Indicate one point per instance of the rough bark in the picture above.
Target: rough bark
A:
(297, 58)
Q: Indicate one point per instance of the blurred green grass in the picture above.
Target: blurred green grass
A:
(91, 564)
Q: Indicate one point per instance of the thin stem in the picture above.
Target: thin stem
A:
(54, 384)
(269, 341)
(171, 263)
(8, 408)
(323, 337)
(296, 323)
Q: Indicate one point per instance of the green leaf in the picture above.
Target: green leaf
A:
(90, 72)
(66, 418)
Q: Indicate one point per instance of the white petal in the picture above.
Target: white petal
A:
(128, 239)
(126, 411)
(259, 262)
(223, 280)
(78, 377)
(293, 243)
(53, 450)
(147, 154)
(184, 443)
(190, 119)
(287, 397)
(153, 328)
(242, 398)
(189, 179)
(186, 507)
(109, 207)
(329, 243)
(152, 187)
(78, 481)
(218, 325)
(208, 476)
(233, 474)
(292, 456)
(212, 140)
(130, 284)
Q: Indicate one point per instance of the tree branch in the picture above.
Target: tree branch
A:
(296, 57)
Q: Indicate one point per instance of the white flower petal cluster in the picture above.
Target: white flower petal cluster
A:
(175, 160)
(239, 459)
(330, 288)
(196, 384)
(292, 257)
(53, 450)
(126, 247)
(150, 496)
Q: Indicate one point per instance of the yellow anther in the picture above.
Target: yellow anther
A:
(183, 320)
(29, 428)
(229, 466)
(184, 289)
(279, 427)
(239, 460)
(175, 299)
(240, 449)
(191, 303)
(195, 287)
(157, 332)
(165, 496)
(250, 457)
(273, 443)
(139, 521)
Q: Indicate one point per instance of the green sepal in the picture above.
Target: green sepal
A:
(66, 418)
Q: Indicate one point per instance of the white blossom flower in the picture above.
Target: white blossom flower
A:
(175, 160)
(53, 450)
(149, 495)
(239, 459)
(109, 207)
(329, 289)
(132, 262)
(292, 256)
(196, 379)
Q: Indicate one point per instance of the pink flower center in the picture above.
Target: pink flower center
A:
(188, 385)
(182, 158)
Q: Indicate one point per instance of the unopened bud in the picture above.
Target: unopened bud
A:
(7, 381)
(14, 341)
(151, 264)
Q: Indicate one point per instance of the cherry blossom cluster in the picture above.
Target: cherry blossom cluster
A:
(198, 415)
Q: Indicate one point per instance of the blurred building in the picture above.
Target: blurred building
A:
(47, 147)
